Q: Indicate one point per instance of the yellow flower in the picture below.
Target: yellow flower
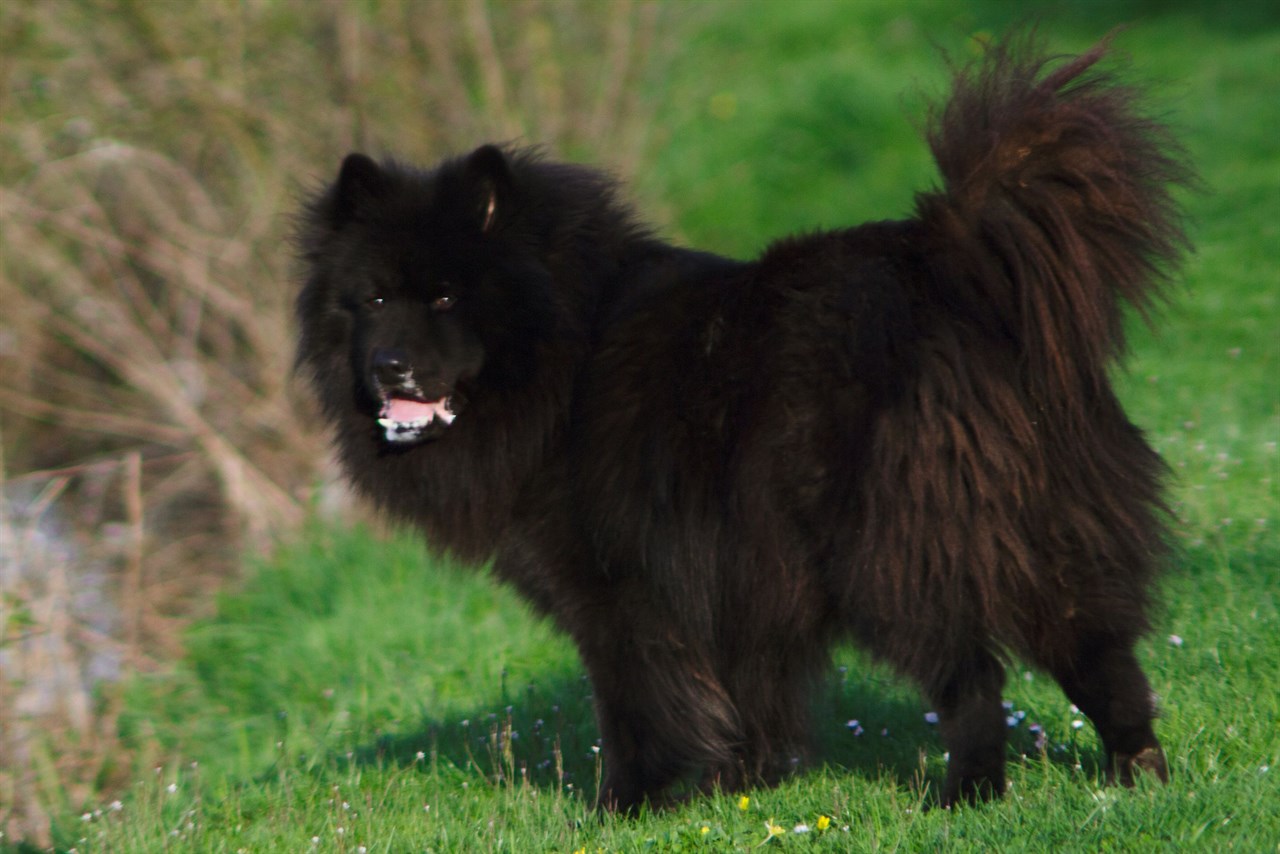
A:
(774, 829)
(823, 822)
(705, 830)
(744, 802)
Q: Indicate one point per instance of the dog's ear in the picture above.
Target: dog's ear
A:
(489, 174)
(361, 184)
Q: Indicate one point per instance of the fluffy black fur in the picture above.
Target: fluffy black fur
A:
(706, 471)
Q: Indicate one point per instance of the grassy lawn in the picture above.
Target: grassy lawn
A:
(354, 695)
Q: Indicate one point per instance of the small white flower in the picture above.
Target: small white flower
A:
(171, 788)
(1077, 723)
(1175, 640)
(931, 717)
(116, 806)
(800, 828)
(421, 756)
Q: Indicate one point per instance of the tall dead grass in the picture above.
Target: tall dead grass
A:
(149, 156)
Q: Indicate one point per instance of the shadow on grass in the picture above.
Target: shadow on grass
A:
(864, 724)
(541, 732)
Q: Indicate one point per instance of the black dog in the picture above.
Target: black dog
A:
(707, 471)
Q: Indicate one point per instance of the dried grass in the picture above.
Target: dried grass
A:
(148, 158)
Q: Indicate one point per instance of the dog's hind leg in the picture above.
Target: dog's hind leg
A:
(966, 694)
(1101, 675)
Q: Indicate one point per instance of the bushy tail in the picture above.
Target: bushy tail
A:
(1056, 206)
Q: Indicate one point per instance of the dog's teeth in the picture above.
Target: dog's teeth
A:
(395, 430)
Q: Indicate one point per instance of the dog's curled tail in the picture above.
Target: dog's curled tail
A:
(1056, 206)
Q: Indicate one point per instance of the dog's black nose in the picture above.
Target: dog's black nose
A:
(391, 367)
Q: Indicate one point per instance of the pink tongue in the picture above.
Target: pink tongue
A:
(406, 411)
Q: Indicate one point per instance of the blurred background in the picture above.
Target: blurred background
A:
(151, 153)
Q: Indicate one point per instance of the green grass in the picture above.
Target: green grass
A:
(356, 694)
(423, 709)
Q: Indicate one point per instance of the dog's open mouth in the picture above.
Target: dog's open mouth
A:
(405, 420)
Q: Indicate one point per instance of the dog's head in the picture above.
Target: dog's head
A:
(420, 289)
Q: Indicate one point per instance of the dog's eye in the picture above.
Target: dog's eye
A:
(375, 302)
(443, 303)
